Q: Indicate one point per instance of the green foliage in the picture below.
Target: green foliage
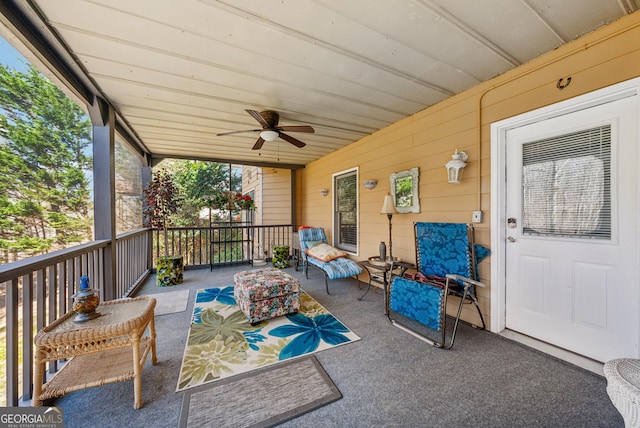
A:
(220, 200)
(202, 185)
(198, 181)
(44, 137)
(404, 191)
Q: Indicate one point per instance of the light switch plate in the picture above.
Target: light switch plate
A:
(476, 217)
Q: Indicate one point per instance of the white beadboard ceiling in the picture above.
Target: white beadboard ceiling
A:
(179, 72)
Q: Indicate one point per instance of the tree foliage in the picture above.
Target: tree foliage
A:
(199, 182)
(44, 137)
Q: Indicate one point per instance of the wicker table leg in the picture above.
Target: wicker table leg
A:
(38, 375)
(152, 336)
(137, 375)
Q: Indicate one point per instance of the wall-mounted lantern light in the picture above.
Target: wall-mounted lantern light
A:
(455, 166)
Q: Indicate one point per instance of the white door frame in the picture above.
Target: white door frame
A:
(498, 180)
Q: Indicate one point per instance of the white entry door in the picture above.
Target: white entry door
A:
(571, 230)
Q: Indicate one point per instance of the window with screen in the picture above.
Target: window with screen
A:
(567, 185)
(128, 188)
(345, 215)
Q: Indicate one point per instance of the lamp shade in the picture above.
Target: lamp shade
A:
(269, 135)
(387, 206)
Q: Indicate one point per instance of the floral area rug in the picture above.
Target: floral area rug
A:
(222, 343)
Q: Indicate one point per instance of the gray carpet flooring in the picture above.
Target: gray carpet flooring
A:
(387, 379)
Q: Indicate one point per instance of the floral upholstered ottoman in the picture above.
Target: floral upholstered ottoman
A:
(266, 293)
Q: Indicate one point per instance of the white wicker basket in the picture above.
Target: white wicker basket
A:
(623, 387)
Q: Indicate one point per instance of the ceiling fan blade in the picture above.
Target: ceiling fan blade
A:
(257, 116)
(238, 132)
(258, 144)
(296, 128)
(292, 140)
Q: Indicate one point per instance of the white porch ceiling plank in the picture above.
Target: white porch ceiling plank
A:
(236, 148)
(267, 154)
(428, 32)
(511, 24)
(143, 125)
(249, 51)
(573, 19)
(129, 54)
(154, 99)
(179, 85)
(326, 136)
(323, 27)
(181, 71)
(172, 124)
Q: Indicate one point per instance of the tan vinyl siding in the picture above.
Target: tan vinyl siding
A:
(272, 194)
(427, 139)
(276, 194)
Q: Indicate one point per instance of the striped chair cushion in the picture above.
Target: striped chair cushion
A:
(337, 268)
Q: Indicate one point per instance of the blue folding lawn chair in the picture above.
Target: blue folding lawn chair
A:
(447, 260)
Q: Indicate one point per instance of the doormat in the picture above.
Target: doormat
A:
(261, 398)
(171, 302)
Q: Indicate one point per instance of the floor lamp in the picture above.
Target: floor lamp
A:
(389, 209)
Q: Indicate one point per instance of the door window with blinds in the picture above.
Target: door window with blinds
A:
(345, 214)
(567, 185)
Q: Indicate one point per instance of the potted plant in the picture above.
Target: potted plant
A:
(244, 202)
(162, 200)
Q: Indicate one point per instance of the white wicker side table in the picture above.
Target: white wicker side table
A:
(623, 387)
(107, 349)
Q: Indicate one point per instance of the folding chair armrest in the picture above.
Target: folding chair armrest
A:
(396, 264)
(399, 265)
(465, 279)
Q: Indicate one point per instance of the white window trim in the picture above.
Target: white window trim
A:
(333, 208)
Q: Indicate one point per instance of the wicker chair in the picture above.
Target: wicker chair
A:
(623, 387)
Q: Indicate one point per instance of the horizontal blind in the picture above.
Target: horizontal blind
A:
(567, 185)
(346, 203)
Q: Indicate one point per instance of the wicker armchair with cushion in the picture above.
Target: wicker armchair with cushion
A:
(317, 253)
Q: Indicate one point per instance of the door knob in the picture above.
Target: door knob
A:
(511, 239)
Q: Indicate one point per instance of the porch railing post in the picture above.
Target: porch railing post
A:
(103, 119)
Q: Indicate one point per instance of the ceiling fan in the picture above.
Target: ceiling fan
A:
(270, 130)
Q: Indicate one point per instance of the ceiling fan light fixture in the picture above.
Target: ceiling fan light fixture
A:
(269, 135)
